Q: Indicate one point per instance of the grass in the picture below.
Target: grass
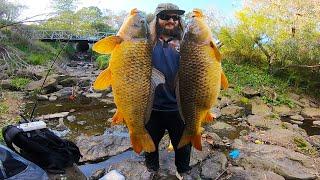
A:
(242, 75)
(20, 83)
(3, 108)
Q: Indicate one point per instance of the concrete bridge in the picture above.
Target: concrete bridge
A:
(62, 35)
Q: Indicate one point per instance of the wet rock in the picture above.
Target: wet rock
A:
(221, 126)
(280, 160)
(71, 118)
(233, 111)
(282, 110)
(297, 117)
(53, 116)
(311, 113)
(97, 174)
(263, 121)
(53, 98)
(93, 95)
(238, 173)
(249, 92)
(49, 85)
(213, 166)
(114, 141)
(316, 123)
(65, 92)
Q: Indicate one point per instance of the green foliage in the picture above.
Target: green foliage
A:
(20, 83)
(37, 59)
(103, 61)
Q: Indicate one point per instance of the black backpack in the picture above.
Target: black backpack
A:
(42, 147)
(13, 166)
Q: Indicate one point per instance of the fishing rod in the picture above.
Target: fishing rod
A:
(41, 88)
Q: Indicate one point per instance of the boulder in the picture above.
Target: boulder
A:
(232, 111)
(265, 122)
(114, 141)
(49, 85)
(297, 117)
(214, 165)
(219, 126)
(311, 113)
(282, 161)
(239, 173)
(282, 110)
(248, 92)
(259, 108)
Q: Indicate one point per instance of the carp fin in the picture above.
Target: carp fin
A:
(142, 142)
(216, 52)
(194, 140)
(103, 81)
(157, 78)
(107, 44)
(209, 117)
(117, 118)
(224, 81)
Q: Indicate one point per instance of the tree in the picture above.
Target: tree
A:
(61, 6)
(9, 11)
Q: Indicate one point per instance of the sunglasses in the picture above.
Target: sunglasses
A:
(168, 17)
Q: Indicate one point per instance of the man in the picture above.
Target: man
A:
(166, 33)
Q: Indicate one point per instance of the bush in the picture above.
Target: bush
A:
(38, 59)
(20, 83)
(103, 61)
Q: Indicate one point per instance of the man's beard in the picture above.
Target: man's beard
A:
(176, 32)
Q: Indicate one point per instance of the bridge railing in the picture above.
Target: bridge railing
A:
(65, 35)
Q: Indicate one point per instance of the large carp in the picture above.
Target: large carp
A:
(200, 77)
(131, 76)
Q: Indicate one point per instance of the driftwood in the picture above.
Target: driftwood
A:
(10, 59)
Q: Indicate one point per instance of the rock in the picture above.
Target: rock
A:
(59, 87)
(49, 85)
(259, 108)
(72, 110)
(218, 126)
(263, 121)
(294, 96)
(3, 76)
(61, 126)
(41, 97)
(53, 116)
(213, 166)
(114, 141)
(316, 123)
(71, 118)
(81, 122)
(93, 95)
(112, 110)
(216, 112)
(61, 133)
(249, 92)
(315, 141)
(285, 138)
(6, 84)
(113, 175)
(305, 102)
(280, 160)
(68, 82)
(296, 122)
(97, 174)
(233, 111)
(282, 110)
(64, 92)
(110, 95)
(198, 156)
(238, 173)
(53, 98)
(297, 117)
(311, 113)
(224, 102)
(107, 101)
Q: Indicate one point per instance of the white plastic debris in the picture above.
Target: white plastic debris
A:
(113, 175)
